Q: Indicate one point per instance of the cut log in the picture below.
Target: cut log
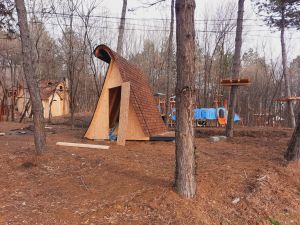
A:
(82, 145)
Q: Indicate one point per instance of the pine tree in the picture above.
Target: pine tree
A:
(185, 181)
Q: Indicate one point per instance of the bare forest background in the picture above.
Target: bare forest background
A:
(64, 34)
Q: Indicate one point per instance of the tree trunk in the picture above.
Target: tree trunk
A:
(235, 69)
(185, 183)
(285, 74)
(27, 107)
(121, 28)
(170, 56)
(293, 151)
(30, 76)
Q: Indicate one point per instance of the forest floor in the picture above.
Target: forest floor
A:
(244, 180)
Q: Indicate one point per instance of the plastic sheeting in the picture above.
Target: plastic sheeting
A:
(207, 114)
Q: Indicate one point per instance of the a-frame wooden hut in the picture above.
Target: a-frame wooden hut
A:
(126, 103)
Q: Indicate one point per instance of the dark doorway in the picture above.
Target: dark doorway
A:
(114, 106)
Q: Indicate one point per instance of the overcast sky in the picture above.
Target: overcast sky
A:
(256, 33)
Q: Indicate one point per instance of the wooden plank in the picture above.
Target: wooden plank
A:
(124, 111)
(292, 98)
(79, 145)
(162, 138)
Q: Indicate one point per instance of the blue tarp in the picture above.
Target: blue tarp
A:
(207, 114)
(237, 117)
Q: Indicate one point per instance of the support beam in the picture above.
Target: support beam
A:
(124, 110)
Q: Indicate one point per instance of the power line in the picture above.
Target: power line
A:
(52, 15)
(201, 23)
(138, 19)
(167, 30)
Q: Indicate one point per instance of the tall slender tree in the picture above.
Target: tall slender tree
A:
(31, 79)
(185, 181)
(169, 63)
(235, 69)
(282, 14)
(286, 75)
(122, 28)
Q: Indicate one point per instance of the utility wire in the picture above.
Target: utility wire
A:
(66, 15)
(167, 30)
(130, 18)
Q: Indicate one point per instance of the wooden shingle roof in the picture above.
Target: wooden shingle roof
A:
(141, 95)
(48, 88)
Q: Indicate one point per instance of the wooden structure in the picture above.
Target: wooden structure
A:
(160, 100)
(126, 106)
(261, 119)
(235, 82)
(54, 95)
(7, 102)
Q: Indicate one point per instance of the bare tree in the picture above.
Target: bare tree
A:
(169, 63)
(86, 20)
(31, 79)
(185, 181)
(75, 49)
(122, 28)
(285, 69)
(235, 69)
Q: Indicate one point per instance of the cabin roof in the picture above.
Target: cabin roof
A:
(48, 88)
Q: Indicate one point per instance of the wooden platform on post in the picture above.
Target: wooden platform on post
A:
(286, 99)
(235, 82)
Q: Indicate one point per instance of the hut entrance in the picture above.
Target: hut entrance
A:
(114, 106)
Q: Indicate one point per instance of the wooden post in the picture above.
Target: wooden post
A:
(124, 110)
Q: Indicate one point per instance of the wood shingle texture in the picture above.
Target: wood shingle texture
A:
(47, 88)
(141, 95)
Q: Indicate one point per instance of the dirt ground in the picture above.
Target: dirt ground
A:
(244, 180)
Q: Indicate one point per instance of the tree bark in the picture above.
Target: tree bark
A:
(285, 72)
(169, 67)
(185, 183)
(235, 69)
(293, 150)
(31, 79)
(121, 28)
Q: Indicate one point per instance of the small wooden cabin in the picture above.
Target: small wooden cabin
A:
(54, 95)
(126, 105)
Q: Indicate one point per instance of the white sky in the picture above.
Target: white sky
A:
(256, 33)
